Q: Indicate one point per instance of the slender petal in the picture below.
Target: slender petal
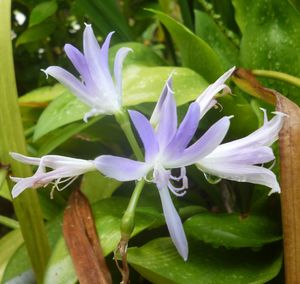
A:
(121, 54)
(104, 53)
(174, 223)
(121, 169)
(70, 82)
(206, 99)
(146, 134)
(185, 132)
(241, 173)
(167, 126)
(206, 144)
(21, 185)
(167, 89)
(25, 159)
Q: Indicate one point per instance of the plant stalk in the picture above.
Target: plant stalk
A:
(27, 207)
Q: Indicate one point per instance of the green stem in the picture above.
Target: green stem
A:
(8, 222)
(278, 75)
(124, 122)
(27, 207)
(127, 223)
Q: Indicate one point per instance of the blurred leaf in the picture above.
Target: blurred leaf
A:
(40, 97)
(41, 12)
(107, 213)
(196, 53)
(270, 39)
(208, 30)
(36, 33)
(8, 245)
(159, 262)
(140, 55)
(141, 84)
(232, 230)
(295, 4)
(95, 186)
(106, 17)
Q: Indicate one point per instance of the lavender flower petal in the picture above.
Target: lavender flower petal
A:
(174, 223)
(121, 169)
(146, 134)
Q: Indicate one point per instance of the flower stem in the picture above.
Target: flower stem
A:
(124, 122)
(8, 222)
(127, 223)
(26, 206)
(278, 75)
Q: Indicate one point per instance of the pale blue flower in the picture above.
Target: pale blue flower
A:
(97, 88)
(65, 171)
(166, 147)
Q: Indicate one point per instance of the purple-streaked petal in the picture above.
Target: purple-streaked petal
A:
(21, 185)
(265, 135)
(241, 173)
(92, 53)
(185, 132)
(121, 169)
(168, 87)
(167, 126)
(120, 56)
(246, 156)
(205, 145)
(25, 159)
(174, 223)
(104, 52)
(79, 62)
(146, 134)
(70, 82)
(206, 99)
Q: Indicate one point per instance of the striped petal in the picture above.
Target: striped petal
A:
(121, 169)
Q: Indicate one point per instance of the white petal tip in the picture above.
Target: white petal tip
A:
(45, 71)
(88, 25)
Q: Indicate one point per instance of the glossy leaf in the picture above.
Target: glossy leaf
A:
(41, 12)
(195, 52)
(270, 39)
(208, 30)
(231, 230)
(159, 262)
(36, 33)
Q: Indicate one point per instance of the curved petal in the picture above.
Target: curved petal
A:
(246, 156)
(70, 82)
(25, 159)
(21, 185)
(168, 87)
(104, 52)
(174, 223)
(118, 64)
(206, 99)
(205, 145)
(79, 62)
(185, 132)
(241, 173)
(167, 126)
(146, 134)
(121, 169)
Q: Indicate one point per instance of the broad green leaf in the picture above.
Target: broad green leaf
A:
(62, 134)
(140, 55)
(231, 230)
(61, 111)
(270, 39)
(95, 186)
(140, 85)
(8, 245)
(42, 96)
(106, 17)
(41, 12)
(36, 33)
(159, 262)
(107, 214)
(196, 53)
(208, 30)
